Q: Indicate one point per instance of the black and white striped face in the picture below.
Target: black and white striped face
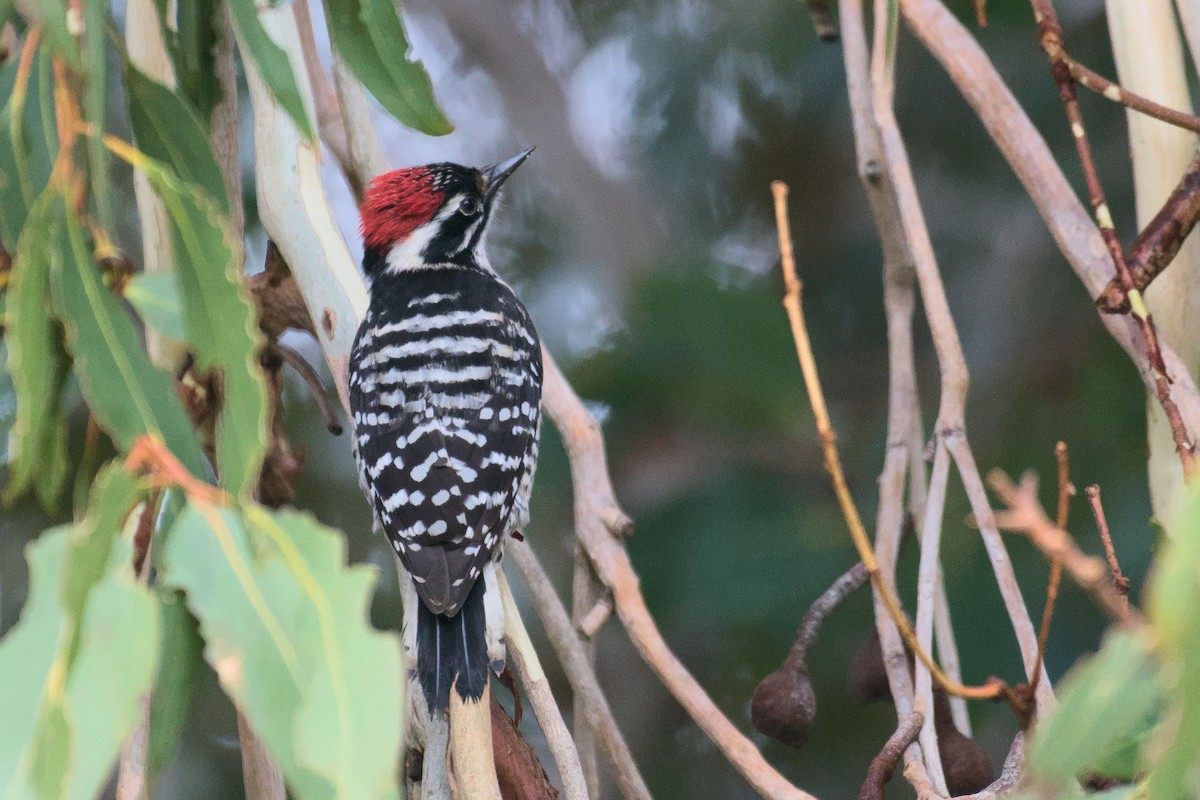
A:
(432, 215)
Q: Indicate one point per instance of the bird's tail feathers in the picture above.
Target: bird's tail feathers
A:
(453, 651)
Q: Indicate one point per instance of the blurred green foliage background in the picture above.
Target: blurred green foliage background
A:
(641, 237)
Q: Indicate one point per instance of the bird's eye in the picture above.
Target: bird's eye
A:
(468, 206)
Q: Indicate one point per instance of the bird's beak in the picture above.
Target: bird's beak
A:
(497, 174)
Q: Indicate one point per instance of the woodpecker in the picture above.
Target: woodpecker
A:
(445, 400)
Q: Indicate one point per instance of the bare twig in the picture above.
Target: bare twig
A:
(884, 764)
(1050, 38)
(329, 115)
(847, 583)
(1066, 491)
(603, 528)
(315, 386)
(905, 436)
(1120, 582)
(590, 608)
(1026, 514)
(1090, 79)
(362, 143)
(590, 621)
(832, 461)
(950, 426)
(579, 671)
(1027, 153)
(537, 689)
(1157, 245)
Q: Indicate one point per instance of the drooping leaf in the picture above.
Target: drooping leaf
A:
(90, 542)
(82, 656)
(27, 148)
(1175, 614)
(285, 627)
(26, 656)
(127, 394)
(167, 128)
(370, 37)
(181, 654)
(95, 106)
(1108, 702)
(155, 295)
(271, 61)
(221, 322)
(36, 361)
(191, 38)
(6, 10)
(118, 652)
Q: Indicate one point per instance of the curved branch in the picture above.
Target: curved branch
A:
(600, 524)
(537, 689)
(579, 671)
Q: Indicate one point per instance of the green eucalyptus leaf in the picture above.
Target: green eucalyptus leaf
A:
(27, 147)
(118, 654)
(128, 396)
(82, 656)
(1107, 703)
(181, 655)
(370, 38)
(26, 656)
(1175, 615)
(192, 41)
(272, 62)
(168, 129)
(37, 362)
(285, 626)
(155, 296)
(220, 319)
(95, 106)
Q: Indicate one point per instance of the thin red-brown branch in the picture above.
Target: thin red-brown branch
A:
(1158, 244)
(1066, 491)
(1025, 514)
(1120, 582)
(1050, 38)
(884, 764)
(1090, 79)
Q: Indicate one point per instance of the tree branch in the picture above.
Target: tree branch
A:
(884, 764)
(579, 671)
(1157, 245)
(1025, 514)
(1023, 147)
(537, 689)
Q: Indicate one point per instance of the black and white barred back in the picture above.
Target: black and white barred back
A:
(445, 394)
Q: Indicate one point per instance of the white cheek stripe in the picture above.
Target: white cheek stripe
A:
(406, 255)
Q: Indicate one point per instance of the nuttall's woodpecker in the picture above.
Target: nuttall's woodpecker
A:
(445, 396)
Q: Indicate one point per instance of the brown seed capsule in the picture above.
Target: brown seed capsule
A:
(965, 764)
(784, 704)
(866, 676)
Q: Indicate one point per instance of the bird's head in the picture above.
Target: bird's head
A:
(430, 215)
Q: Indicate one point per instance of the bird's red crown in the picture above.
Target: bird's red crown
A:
(396, 204)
